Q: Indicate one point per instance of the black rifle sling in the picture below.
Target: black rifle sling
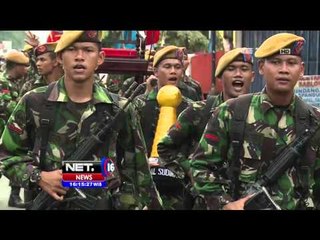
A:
(46, 123)
(303, 119)
(238, 124)
(211, 102)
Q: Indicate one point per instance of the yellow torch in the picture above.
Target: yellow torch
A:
(169, 98)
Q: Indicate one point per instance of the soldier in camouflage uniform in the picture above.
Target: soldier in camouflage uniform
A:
(16, 68)
(48, 67)
(168, 69)
(235, 69)
(79, 105)
(270, 125)
(49, 70)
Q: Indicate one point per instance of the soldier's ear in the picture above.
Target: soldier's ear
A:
(100, 58)
(155, 71)
(59, 58)
(253, 75)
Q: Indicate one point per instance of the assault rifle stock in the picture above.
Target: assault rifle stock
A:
(261, 198)
(44, 201)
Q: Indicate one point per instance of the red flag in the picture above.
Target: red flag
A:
(152, 37)
(54, 36)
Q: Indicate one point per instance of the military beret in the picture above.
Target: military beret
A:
(70, 37)
(16, 57)
(44, 48)
(168, 52)
(27, 47)
(237, 54)
(281, 43)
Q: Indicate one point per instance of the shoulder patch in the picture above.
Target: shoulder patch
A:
(14, 128)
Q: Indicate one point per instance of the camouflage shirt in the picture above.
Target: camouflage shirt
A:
(194, 84)
(115, 81)
(72, 124)
(265, 124)
(188, 91)
(39, 81)
(8, 98)
(184, 135)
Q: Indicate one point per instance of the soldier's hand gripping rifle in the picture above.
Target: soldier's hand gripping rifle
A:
(44, 201)
(286, 159)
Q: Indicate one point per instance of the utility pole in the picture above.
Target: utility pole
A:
(212, 50)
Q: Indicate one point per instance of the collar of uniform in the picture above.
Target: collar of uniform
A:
(265, 102)
(220, 99)
(100, 95)
(39, 80)
(59, 93)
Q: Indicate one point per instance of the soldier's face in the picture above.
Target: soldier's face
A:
(21, 70)
(237, 79)
(281, 72)
(80, 61)
(45, 64)
(169, 71)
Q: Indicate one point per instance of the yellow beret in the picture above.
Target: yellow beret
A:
(244, 54)
(167, 52)
(16, 57)
(44, 48)
(27, 47)
(70, 37)
(281, 43)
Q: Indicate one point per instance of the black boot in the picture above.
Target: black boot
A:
(29, 195)
(14, 199)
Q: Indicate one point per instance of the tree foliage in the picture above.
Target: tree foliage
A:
(16, 37)
(194, 41)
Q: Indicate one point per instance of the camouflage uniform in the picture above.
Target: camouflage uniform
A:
(187, 91)
(266, 127)
(148, 109)
(115, 81)
(32, 72)
(74, 123)
(182, 137)
(195, 85)
(39, 81)
(8, 98)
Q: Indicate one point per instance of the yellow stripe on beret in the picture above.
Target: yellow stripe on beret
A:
(44, 48)
(230, 56)
(16, 57)
(167, 52)
(69, 37)
(278, 43)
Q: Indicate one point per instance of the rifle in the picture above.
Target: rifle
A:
(261, 198)
(44, 201)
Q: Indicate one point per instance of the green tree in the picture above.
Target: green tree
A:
(16, 37)
(194, 41)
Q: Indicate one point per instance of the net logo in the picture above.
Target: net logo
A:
(87, 174)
